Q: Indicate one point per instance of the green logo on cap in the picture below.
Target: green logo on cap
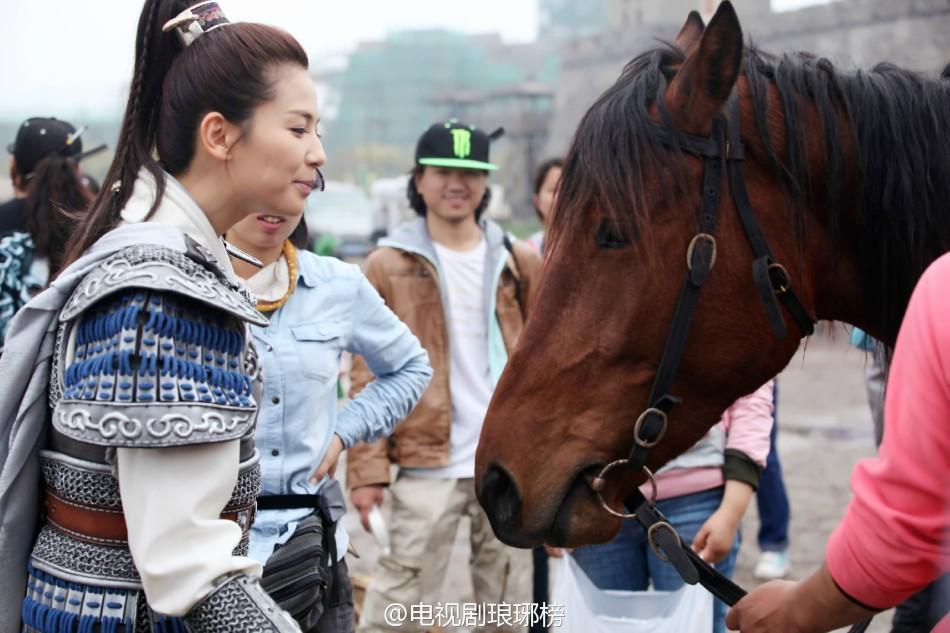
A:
(462, 142)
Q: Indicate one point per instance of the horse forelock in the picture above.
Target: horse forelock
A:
(886, 160)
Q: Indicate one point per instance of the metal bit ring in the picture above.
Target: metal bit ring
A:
(600, 482)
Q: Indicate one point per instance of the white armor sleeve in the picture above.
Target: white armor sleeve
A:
(173, 498)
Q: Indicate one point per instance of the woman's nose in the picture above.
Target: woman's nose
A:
(316, 156)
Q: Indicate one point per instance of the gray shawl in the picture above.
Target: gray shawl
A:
(24, 406)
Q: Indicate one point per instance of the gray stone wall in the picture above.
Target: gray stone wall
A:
(914, 34)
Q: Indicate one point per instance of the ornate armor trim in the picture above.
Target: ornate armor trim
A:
(238, 603)
(162, 269)
(138, 425)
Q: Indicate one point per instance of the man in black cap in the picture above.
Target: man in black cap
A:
(464, 289)
(37, 138)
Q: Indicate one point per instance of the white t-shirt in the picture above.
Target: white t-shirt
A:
(470, 383)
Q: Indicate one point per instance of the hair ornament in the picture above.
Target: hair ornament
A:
(195, 21)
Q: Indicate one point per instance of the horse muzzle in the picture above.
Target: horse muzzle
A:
(575, 517)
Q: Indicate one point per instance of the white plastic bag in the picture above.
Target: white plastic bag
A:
(588, 609)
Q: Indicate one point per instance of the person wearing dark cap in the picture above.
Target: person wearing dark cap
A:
(464, 290)
(49, 190)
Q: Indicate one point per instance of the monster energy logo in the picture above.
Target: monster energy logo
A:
(462, 142)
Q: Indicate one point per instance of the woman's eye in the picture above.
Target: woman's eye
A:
(299, 131)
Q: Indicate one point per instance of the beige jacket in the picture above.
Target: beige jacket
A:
(404, 272)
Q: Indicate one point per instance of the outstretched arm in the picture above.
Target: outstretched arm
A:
(812, 605)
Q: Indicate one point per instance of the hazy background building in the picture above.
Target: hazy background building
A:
(392, 90)
(377, 96)
(851, 33)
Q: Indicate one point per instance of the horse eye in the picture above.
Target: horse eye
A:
(609, 236)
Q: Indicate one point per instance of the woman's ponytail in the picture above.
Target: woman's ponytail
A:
(133, 150)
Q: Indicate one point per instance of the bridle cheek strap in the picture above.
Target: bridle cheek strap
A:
(772, 280)
(723, 149)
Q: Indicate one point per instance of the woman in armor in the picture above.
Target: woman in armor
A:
(131, 384)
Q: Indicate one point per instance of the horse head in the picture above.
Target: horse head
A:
(848, 180)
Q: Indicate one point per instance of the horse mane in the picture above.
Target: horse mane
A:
(891, 120)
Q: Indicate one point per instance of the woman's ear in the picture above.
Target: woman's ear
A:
(217, 136)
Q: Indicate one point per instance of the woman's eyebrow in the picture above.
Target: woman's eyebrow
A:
(306, 115)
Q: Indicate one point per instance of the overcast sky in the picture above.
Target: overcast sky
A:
(73, 58)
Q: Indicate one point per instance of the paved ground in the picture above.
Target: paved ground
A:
(824, 428)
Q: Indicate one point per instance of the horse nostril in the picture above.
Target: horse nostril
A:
(499, 496)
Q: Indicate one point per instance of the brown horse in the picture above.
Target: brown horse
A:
(848, 175)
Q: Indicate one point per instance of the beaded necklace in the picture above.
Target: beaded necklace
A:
(290, 254)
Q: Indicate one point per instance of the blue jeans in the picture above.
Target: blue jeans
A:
(628, 563)
(771, 496)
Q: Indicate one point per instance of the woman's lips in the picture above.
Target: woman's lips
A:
(270, 223)
(303, 187)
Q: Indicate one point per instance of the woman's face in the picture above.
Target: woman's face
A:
(544, 199)
(274, 166)
(263, 234)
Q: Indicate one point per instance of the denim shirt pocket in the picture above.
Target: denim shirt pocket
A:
(318, 348)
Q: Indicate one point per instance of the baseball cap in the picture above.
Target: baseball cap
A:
(455, 144)
(38, 137)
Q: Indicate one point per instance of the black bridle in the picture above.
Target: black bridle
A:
(721, 151)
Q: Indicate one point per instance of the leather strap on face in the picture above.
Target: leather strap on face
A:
(722, 149)
(700, 259)
(771, 278)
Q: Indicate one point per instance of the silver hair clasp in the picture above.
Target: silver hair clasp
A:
(195, 21)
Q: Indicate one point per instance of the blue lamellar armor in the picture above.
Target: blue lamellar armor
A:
(152, 351)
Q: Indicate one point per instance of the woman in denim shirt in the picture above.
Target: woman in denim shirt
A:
(319, 307)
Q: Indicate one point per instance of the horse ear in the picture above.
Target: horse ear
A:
(703, 83)
(688, 37)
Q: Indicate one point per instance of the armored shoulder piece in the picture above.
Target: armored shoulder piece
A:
(191, 274)
(154, 352)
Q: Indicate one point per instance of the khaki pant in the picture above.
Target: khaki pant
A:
(425, 519)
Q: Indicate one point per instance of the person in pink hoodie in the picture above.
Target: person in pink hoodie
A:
(704, 493)
(894, 539)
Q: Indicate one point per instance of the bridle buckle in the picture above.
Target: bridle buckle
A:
(651, 532)
(786, 281)
(639, 426)
(701, 237)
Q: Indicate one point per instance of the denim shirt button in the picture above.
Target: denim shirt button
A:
(275, 399)
(275, 452)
